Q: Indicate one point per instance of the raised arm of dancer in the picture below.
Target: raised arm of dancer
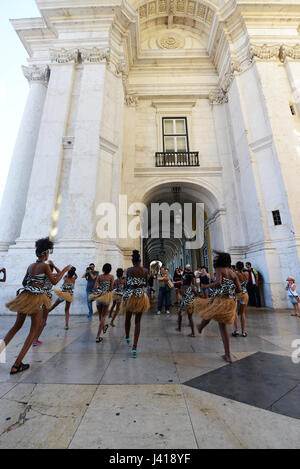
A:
(54, 266)
(55, 278)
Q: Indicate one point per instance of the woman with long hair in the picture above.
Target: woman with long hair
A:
(32, 299)
(136, 299)
(222, 305)
(242, 299)
(66, 293)
(103, 296)
(119, 285)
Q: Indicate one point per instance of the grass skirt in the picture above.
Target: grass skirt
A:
(136, 304)
(105, 298)
(66, 296)
(222, 310)
(117, 298)
(29, 303)
(242, 298)
(187, 309)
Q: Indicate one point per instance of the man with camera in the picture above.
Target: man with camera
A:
(3, 271)
(91, 276)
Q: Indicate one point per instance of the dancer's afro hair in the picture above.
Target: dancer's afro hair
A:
(42, 246)
(136, 258)
(222, 259)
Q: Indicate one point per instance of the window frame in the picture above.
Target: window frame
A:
(186, 135)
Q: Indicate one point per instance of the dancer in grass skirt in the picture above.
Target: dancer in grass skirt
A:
(136, 299)
(103, 296)
(66, 293)
(221, 306)
(31, 299)
(119, 285)
(48, 290)
(188, 292)
(242, 300)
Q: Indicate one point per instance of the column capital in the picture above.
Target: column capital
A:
(95, 55)
(37, 74)
(63, 56)
(218, 96)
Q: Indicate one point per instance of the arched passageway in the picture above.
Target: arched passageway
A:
(189, 209)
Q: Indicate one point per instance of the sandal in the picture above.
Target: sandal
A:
(128, 341)
(235, 334)
(105, 329)
(191, 335)
(19, 368)
(133, 353)
(99, 339)
(244, 334)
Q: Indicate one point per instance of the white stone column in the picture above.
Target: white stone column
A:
(293, 71)
(85, 173)
(46, 169)
(15, 194)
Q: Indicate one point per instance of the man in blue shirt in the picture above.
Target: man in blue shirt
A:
(91, 276)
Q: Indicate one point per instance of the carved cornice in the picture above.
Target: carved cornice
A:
(274, 52)
(37, 74)
(63, 56)
(95, 55)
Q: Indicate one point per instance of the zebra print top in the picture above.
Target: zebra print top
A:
(135, 286)
(227, 289)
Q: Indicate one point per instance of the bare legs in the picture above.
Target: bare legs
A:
(102, 310)
(190, 316)
(226, 342)
(243, 319)
(43, 323)
(137, 330)
(225, 338)
(67, 314)
(112, 314)
(35, 322)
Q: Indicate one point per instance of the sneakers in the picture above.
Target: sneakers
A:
(167, 312)
(158, 313)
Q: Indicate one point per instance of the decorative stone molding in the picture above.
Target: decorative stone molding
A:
(131, 100)
(63, 56)
(37, 74)
(218, 96)
(275, 51)
(194, 9)
(171, 41)
(95, 55)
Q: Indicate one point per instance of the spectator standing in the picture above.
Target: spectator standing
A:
(164, 292)
(91, 276)
(177, 278)
(293, 295)
(252, 287)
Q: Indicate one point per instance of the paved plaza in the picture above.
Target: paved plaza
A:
(177, 394)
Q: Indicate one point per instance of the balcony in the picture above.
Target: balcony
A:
(166, 159)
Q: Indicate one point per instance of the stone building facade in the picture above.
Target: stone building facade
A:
(108, 79)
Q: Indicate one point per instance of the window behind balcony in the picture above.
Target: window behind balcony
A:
(175, 134)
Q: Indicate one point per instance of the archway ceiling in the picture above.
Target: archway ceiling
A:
(156, 20)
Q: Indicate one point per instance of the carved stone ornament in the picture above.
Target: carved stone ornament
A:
(37, 74)
(277, 51)
(218, 96)
(63, 56)
(131, 100)
(171, 41)
(95, 55)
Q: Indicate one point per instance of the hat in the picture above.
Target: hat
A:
(290, 278)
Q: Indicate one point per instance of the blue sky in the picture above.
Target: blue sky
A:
(13, 85)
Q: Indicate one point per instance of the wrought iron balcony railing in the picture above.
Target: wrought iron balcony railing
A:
(187, 158)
